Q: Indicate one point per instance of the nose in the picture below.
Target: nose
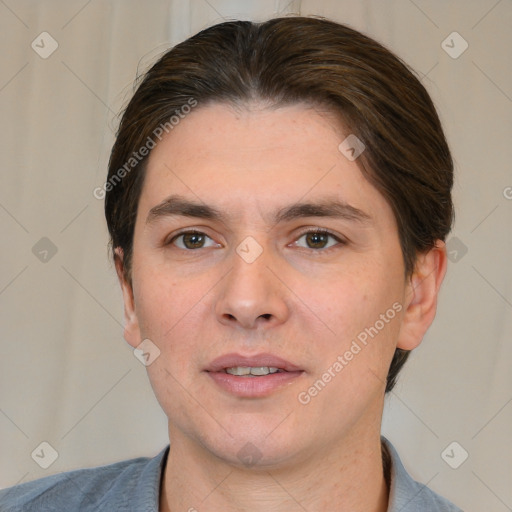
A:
(252, 296)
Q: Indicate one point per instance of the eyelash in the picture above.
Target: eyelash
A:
(318, 231)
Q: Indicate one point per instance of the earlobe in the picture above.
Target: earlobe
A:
(421, 296)
(131, 327)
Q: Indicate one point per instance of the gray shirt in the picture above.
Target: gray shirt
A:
(134, 485)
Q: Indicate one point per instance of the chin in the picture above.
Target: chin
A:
(254, 448)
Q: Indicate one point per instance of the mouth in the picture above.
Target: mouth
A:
(252, 371)
(252, 376)
(256, 365)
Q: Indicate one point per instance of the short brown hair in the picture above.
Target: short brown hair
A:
(294, 60)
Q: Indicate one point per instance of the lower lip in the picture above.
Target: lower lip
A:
(253, 387)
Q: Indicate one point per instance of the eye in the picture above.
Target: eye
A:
(315, 239)
(191, 240)
(319, 239)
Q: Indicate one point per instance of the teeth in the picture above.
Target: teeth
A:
(251, 370)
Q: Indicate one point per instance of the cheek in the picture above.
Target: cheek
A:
(347, 300)
(171, 313)
(362, 311)
(157, 304)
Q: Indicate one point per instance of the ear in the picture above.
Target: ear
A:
(131, 326)
(421, 296)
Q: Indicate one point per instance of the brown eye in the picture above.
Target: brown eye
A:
(319, 239)
(190, 240)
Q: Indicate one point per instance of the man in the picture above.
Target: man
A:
(278, 198)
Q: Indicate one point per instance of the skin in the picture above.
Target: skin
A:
(303, 302)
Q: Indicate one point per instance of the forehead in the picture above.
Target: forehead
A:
(250, 159)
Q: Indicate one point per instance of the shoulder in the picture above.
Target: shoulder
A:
(407, 495)
(117, 486)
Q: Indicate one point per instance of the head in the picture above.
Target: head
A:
(247, 120)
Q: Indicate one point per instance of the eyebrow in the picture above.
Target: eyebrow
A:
(176, 205)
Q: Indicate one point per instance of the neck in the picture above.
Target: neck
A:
(349, 478)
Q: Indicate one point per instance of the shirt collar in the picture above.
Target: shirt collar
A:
(147, 497)
(404, 492)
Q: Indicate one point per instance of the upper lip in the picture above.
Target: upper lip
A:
(233, 360)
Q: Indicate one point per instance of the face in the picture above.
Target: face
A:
(289, 260)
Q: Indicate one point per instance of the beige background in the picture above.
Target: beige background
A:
(66, 375)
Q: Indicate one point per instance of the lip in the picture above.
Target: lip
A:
(233, 360)
(252, 387)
